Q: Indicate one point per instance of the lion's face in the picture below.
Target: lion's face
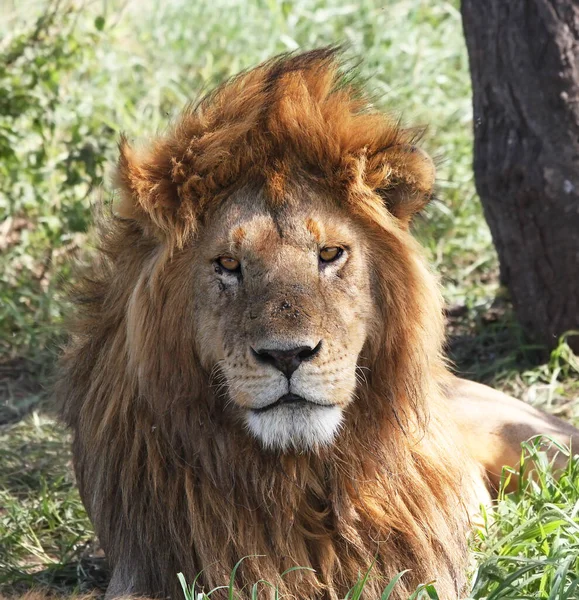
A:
(282, 305)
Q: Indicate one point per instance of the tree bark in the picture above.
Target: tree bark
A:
(524, 62)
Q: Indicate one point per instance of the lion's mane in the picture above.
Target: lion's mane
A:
(170, 482)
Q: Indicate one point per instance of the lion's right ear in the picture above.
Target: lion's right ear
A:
(149, 192)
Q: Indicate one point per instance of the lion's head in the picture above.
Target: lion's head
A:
(276, 196)
(259, 349)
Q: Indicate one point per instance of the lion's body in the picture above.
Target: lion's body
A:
(181, 460)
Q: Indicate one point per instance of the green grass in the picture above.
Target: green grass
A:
(44, 530)
(73, 76)
(529, 546)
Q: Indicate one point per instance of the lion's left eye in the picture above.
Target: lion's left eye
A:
(229, 263)
(330, 254)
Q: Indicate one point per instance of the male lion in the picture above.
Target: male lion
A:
(256, 367)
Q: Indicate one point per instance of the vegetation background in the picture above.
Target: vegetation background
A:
(74, 75)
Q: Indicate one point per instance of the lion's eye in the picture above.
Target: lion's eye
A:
(330, 254)
(229, 263)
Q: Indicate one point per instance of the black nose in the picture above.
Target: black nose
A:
(287, 361)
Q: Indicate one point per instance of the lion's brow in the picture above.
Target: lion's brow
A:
(314, 229)
(238, 235)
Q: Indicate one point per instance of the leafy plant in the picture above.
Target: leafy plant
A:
(529, 546)
(52, 151)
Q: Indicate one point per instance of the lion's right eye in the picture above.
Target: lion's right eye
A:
(229, 264)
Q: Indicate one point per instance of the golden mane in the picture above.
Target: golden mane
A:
(294, 112)
(170, 483)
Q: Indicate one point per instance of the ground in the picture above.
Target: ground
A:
(72, 77)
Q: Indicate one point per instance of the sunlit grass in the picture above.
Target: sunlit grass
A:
(529, 546)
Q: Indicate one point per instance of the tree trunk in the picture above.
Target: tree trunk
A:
(524, 62)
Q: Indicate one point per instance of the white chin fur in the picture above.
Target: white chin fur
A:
(300, 428)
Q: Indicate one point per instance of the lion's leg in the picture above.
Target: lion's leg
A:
(493, 426)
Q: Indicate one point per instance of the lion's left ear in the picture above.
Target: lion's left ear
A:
(403, 176)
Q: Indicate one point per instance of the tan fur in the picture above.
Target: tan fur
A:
(493, 425)
(158, 374)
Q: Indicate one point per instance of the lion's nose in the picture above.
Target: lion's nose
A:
(287, 361)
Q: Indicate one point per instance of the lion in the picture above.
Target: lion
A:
(256, 365)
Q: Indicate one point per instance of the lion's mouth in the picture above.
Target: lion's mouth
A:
(290, 400)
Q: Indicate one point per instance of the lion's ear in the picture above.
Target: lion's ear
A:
(149, 192)
(403, 176)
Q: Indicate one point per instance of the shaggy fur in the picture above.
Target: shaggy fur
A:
(171, 481)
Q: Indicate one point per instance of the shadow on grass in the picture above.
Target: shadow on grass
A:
(87, 575)
(46, 540)
(488, 345)
(21, 387)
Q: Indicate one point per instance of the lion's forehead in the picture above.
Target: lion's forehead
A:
(248, 224)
